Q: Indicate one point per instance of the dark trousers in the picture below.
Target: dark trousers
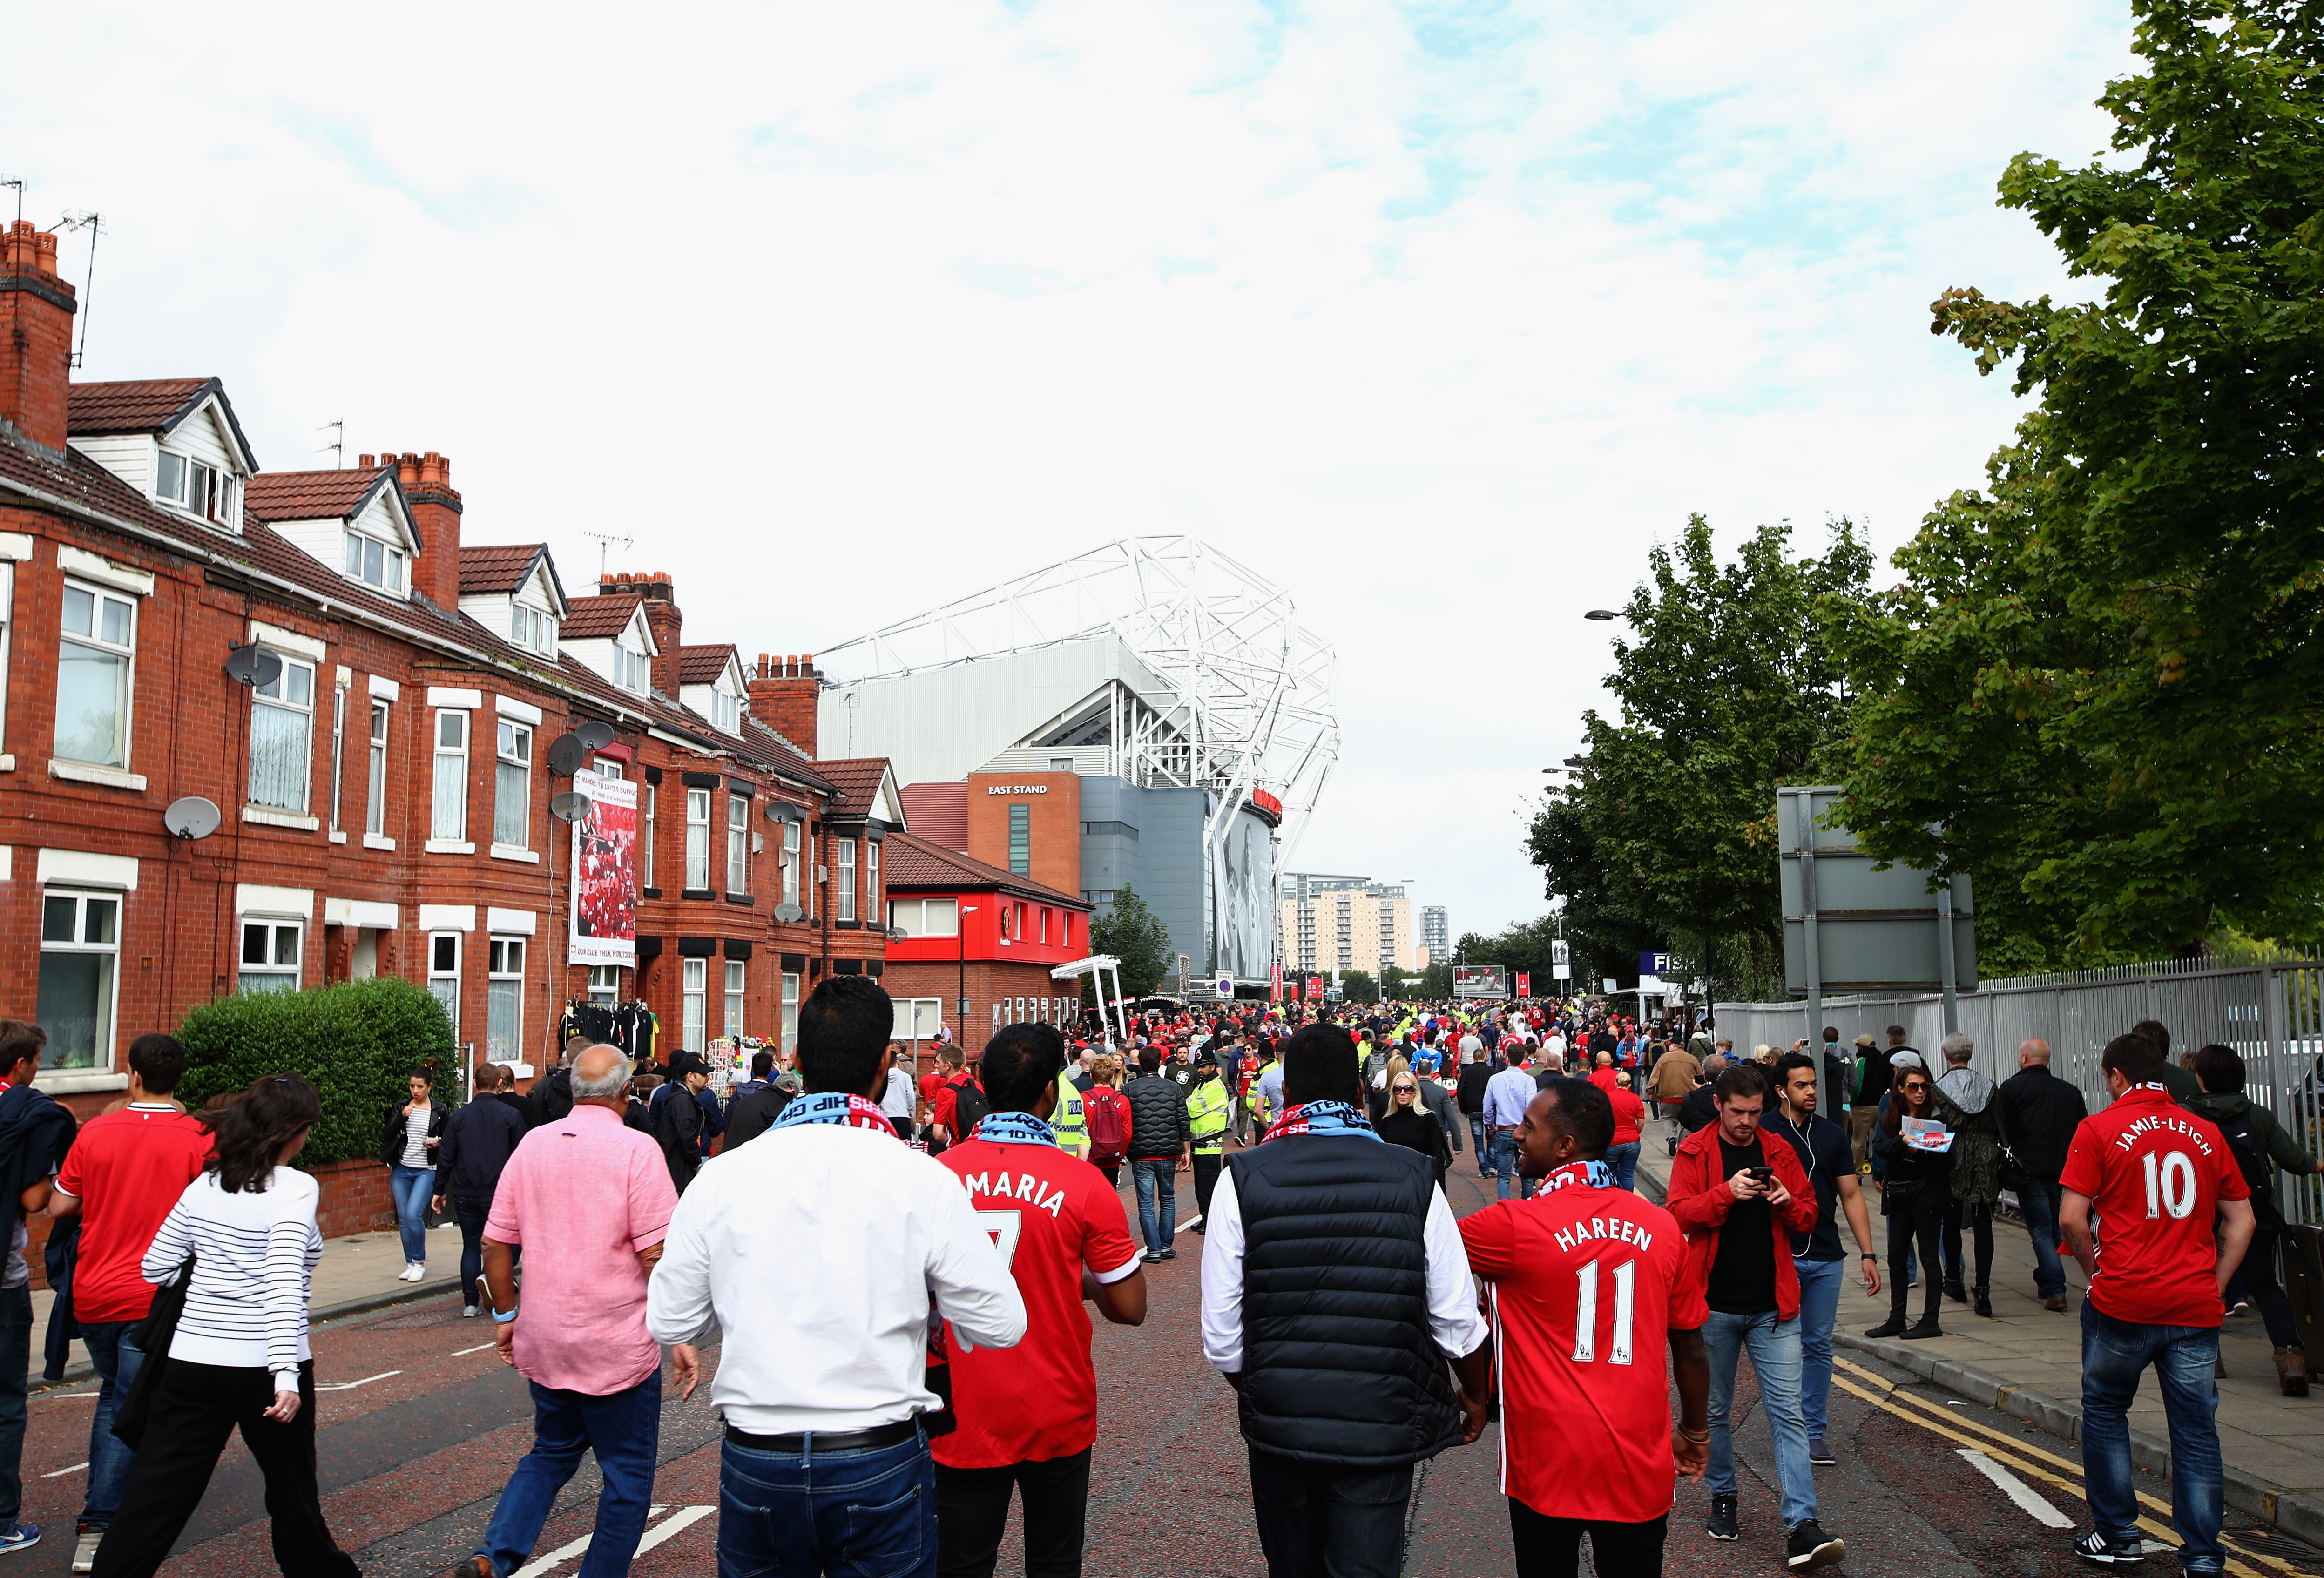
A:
(972, 1510)
(1980, 1219)
(1206, 1178)
(1317, 1520)
(198, 1405)
(1551, 1548)
(1917, 1218)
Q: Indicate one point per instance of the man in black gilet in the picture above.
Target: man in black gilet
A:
(1337, 1302)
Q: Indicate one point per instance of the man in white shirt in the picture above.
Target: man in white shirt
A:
(818, 1250)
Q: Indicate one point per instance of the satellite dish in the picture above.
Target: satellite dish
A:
(191, 818)
(253, 665)
(787, 913)
(565, 754)
(594, 733)
(568, 806)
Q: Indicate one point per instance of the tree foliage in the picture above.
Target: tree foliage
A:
(1132, 933)
(353, 1042)
(2096, 688)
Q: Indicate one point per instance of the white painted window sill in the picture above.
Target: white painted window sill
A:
(373, 841)
(268, 816)
(89, 772)
(59, 1081)
(339, 837)
(511, 851)
(450, 847)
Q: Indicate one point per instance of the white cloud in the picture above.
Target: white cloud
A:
(1436, 315)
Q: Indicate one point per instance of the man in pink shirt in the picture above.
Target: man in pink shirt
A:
(589, 1200)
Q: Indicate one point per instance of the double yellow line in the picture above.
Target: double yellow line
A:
(2017, 1455)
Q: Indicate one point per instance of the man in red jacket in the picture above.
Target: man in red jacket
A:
(1739, 1202)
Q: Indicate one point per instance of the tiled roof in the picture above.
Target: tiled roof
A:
(937, 811)
(497, 570)
(857, 779)
(312, 496)
(703, 665)
(600, 618)
(916, 863)
(144, 405)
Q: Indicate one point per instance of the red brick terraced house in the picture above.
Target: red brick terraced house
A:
(384, 789)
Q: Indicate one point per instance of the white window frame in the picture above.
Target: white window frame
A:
(694, 1004)
(505, 998)
(843, 879)
(269, 973)
(393, 562)
(283, 702)
(513, 754)
(646, 846)
(443, 983)
(123, 726)
(375, 765)
(790, 862)
(109, 992)
(913, 917)
(448, 813)
(737, 977)
(790, 1005)
(698, 840)
(738, 844)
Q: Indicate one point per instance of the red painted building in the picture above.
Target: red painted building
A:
(976, 931)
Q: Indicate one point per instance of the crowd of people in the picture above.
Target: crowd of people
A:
(900, 1266)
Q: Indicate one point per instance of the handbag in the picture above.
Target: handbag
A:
(151, 1337)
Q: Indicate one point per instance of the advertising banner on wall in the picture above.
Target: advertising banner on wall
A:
(605, 922)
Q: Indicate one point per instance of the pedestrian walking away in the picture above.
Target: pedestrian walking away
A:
(825, 1305)
(588, 1198)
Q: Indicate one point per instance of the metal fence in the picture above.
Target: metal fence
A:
(2269, 1008)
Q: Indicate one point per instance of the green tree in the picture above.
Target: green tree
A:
(2096, 689)
(1132, 933)
(1666, 838)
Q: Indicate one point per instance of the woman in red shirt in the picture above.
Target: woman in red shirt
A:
(1622, 1155)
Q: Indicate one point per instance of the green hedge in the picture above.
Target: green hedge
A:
(353, 1042)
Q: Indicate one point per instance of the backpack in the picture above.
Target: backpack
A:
(1103, 1114)
(2251, 1155)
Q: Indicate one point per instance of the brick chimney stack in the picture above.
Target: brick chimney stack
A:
(36, 314)
(435, 509)
(787, 694)
(662, 616)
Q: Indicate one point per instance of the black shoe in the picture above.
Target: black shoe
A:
(1955, 1291)
(1811, 1547)
(1894, 1326)
(2096, 1547)
(1926, 1327)
(1982, 1303)
(1820, 1455)
(1723, 1524)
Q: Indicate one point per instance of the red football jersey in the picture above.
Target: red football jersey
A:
(1050, 1213)
(2155, 1174)
(1587, 1284)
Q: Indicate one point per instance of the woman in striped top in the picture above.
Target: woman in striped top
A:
(240, 1356)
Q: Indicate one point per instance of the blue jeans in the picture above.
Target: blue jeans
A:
(864, 1514)
(116, 1360)
(623, 1429)
(2115, 1354)
(1820, 1284)
(2040, 1200)
(412, 1187)
(1484, 1153)
(1505, 1167)
(1157, 1174)
(1623, 1160)
(15, 1377)
(1774, 1349)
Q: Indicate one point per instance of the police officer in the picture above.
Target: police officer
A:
(1209, 1105)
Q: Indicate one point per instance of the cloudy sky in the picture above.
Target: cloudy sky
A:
(1437, 315)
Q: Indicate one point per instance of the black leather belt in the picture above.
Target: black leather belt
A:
(879, 1435)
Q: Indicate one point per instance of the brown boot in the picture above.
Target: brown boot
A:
(2291, 1371)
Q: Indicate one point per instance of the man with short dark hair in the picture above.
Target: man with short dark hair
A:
(123, 1172)
(1339, 1397)
(1740, 1201)
(2175, 1217)
(825, 1305)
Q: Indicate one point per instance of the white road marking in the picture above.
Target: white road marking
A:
(60, 1473)
(2029, 1500)
(479, 1347)
(349, 1386)
(677, 1522)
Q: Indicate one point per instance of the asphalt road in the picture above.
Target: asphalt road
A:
(415, 1447)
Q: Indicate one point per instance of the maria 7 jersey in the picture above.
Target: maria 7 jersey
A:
(1585, 1283)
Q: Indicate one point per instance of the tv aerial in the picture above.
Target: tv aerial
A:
(253, 665)
(191, 818)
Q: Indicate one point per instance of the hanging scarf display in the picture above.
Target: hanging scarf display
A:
(1013, 1129)
(833, 1107)
(1322, 1118)
(1596, 1175)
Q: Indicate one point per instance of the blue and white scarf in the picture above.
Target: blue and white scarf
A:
(833, 1107)
(1322, 1118)
(1013, 1129)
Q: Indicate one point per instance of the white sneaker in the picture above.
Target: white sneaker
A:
(413, 1271)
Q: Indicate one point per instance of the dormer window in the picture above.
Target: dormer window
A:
(376, 563)
(192, 486)
(532, 628)
(630, 669)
